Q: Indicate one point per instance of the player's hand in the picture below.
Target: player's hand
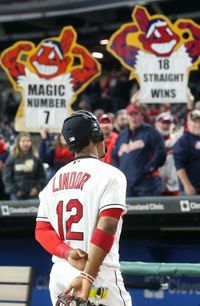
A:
(44, 133)
(79, 287)
(77, 258)
(189, 189)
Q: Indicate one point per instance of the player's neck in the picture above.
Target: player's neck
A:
(85, 156)
(89, 151)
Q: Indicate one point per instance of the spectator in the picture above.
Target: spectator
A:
(189, 107)
(82, 103)
(187, 156)
(164, 124)
(138, 153)
(56, 155)
(165, 107)
(98, 112)
(8, 131)
(120, 121)
(23, 174)
(151, 114)
(119, 90)
(4, 152)
(197, 105)
(110, 137)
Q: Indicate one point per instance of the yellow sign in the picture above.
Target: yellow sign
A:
(159, 54)
(49, 77)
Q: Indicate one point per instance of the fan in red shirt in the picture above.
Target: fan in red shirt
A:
(106, 124)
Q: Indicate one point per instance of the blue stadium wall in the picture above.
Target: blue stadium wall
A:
(182, 291)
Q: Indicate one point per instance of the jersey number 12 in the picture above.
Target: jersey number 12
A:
(74, 203)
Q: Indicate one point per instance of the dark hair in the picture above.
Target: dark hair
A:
(78, 147)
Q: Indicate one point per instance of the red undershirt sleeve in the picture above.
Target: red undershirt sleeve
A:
(112, 212)
(51, 242)
(101, 238)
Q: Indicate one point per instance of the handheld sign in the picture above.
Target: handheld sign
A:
(49, 77)
(159, 54)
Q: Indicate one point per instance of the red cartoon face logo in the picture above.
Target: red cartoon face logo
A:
(49, 60)
(159, 39)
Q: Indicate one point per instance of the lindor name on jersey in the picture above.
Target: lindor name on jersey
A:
(70, 180)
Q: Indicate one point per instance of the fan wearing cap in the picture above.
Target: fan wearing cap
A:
(79, 218)
(110, 137)
(139, 152)
(120, 120)
(187, 156)
(164, 123)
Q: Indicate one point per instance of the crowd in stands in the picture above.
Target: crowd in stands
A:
(23, 173)
(157, 147)
(54, 153)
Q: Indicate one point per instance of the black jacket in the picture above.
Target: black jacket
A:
(23, 173)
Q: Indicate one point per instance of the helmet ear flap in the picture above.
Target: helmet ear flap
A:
(97, 135)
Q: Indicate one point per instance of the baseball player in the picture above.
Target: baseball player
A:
(80, 219)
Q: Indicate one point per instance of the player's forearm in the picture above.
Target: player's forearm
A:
(101, 243)
(51, 242)
(95, 258)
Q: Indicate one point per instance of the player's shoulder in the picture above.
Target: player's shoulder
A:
(111, 170)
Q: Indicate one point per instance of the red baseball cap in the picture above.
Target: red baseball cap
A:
(133, 108)
(105, 121)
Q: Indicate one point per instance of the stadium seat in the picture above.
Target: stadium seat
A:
(15, 285)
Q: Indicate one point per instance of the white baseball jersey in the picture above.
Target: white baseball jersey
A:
(76, 195)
